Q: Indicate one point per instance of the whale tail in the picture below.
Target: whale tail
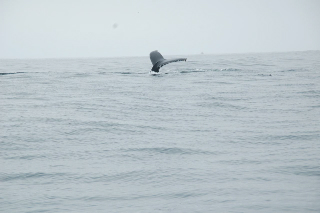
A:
(158, 61)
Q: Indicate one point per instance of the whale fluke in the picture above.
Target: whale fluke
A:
(158, 61)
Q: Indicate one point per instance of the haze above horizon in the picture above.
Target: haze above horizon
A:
(55, 29)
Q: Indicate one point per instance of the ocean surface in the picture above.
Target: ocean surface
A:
(218, 133)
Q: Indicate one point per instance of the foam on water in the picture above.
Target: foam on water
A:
(219, 133)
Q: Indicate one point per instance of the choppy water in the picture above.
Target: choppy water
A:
(219, 133)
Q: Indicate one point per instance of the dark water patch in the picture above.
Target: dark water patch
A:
(230, 69)
(119, 73)
(25, 157)
(121, 176)
(10, 73)
(30, 175)
(264, 75)
(290, 70)
(244, 161)
(301, 85)
(133, 197)
(130, 197)
(303, 170)
(223, 105)
(172, 151)
(302, 137)
(191, 71)
(315, 106)
(156, 75)
(93, 127)
(312, 92)
(224, 82)
(235, 98)
(186, 194)
(82, 75)
(126, 73)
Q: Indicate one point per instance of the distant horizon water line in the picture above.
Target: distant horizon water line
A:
(147, 55)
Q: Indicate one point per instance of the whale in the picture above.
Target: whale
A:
(158, 61)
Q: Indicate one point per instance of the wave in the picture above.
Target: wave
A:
(230, 69)
(29, 175)
(290, 70)
(173, 151)
(191, 71)
(10, 73)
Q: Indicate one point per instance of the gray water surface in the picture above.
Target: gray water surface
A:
(219, 133)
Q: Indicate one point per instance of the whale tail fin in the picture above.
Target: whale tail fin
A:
(155, 56)
(158, 61)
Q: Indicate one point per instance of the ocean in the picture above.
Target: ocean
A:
(218, 133)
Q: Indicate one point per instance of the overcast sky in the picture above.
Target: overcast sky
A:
(107, 28)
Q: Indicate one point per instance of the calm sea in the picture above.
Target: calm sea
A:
(218, 133)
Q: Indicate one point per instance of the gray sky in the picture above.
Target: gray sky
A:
(97, 28)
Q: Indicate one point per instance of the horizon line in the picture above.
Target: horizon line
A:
(131, 56)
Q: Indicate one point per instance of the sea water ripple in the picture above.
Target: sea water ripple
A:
(219, 133)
